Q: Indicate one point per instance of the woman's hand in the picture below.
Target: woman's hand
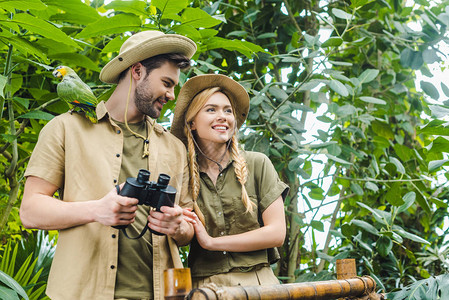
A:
(203, 238)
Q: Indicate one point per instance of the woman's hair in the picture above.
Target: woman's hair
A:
(241, 171)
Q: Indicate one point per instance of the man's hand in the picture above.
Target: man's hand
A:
(170, 221)
(114, 209)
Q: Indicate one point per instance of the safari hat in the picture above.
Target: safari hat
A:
(143, 45)
(233, 90)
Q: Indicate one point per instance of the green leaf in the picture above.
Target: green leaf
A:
(169, 7)
(339, 160)
(332, 42)
(77, 12)
(21, 44)
(430, 56)
(187, 30)
(198, 18)
(338, 87)
(24, 5)
(342, 14)
(7, 293)
(36, 114)
(3, 81)
(278, 93)
(435, 127)
(373, 100)
(317, 225)
(115, 44)
(116, 24)
(439, 111)
(368, 76)
(246, 48)
(381, 217)
(409, 235)
(267, 35)
(384, 245)
(38, 26)
(430, 90)
(445, 89)
(436, 164)
(9, 281)
(136, 7)
(399, 167)
(368, 227)
(237, 33)
(294, 164)
(76, 59)
(411, 59)
(371, 186)
(356, 188)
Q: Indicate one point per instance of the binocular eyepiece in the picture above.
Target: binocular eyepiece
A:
(150, 193)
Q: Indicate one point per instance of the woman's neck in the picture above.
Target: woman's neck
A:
(213, 157)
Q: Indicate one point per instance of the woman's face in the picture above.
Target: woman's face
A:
(215, 121)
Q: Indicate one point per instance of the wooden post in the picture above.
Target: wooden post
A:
(177, 283)
(346, 268)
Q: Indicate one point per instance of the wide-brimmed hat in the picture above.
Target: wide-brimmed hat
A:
(233, 90)
(143, 45)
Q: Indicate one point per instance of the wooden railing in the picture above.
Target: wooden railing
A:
(348, 284)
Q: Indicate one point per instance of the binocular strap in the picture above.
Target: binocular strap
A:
(124, 228)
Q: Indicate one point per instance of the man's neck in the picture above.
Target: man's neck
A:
(119, 103)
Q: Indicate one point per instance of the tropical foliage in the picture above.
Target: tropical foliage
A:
(377, 160)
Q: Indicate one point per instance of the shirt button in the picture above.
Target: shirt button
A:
(222, 233)
(115, 180)
(118, 131)
(118, 155)
(112, 267)
(219, 213)
(114, 236)
(224, 252)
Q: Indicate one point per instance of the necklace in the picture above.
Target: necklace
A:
(146, 140)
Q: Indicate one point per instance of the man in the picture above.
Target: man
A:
(85, 161)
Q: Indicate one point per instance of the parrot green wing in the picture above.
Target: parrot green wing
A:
(73, 89)
(77, 94)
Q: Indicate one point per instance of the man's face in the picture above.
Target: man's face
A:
(156, 88)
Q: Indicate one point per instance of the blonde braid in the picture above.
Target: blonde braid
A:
(193, 165)
(194, 173)
(241, 172)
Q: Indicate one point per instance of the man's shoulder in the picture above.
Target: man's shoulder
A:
(165, 134)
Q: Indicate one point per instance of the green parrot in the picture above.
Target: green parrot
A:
(76, 93)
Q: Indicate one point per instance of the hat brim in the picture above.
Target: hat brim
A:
(167, 43)
(233, 90)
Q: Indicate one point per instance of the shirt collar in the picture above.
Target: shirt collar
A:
(102, 112)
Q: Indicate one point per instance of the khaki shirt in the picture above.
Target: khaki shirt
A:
(84, 160)
(225, 214)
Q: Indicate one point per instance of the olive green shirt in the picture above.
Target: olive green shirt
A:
(84, 160)
(224, 213)
(135, 260)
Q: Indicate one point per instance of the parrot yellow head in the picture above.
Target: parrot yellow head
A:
(60, 71)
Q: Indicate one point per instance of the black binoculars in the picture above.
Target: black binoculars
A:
(150, 193)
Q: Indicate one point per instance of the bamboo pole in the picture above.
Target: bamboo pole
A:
(318, 290)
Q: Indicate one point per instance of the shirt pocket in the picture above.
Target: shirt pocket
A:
(245, 221)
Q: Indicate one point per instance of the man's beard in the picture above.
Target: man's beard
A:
(145, 101)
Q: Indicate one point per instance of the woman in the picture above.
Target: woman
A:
(238, 195)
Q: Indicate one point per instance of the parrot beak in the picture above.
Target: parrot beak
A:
(57, 74)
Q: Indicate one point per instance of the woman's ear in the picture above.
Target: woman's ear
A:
(192, 126)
